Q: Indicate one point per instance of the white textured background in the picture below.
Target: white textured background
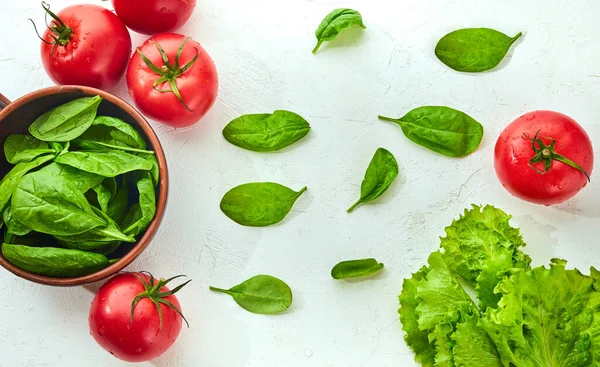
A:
(262, 52)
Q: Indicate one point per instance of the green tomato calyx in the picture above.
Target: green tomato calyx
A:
(60, 33)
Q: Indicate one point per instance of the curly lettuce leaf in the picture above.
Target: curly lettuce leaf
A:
(546, 317)
(473, 346)
(480, 247)
(441, 337)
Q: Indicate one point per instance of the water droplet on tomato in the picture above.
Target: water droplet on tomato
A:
(128, 327)
(139, 350)
(101, 331)
(162, 10)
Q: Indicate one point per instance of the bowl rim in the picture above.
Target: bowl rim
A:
(163, 186)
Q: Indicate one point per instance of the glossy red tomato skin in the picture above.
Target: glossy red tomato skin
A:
(154, 16)
(110, 316)
(513, 152)
(198, 86)
(97, 54)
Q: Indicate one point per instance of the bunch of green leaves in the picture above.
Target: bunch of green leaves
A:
(479, 303)
(72, 191)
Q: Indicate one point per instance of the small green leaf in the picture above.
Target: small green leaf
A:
(105, 191)
(442, 129)
(262, 294)
(114, 132)
(382, 171)
(117, 208)
(66, 122)
(109, 163)
(334, 23)
(356, 268)
(474, 49)
(141, 214)
(25, 148)
(266, 132)
(259, 204)
(54, 262)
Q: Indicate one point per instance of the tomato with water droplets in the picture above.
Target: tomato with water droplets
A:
(85, 45)
(544, 157)
(154, 16)
(135, 317)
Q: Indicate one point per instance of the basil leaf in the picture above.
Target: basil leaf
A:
(66, 122)
(106, 233)
(262, 294)
(259, 204)
(13, 226)
(382, 171)
(474, 49)
(9, 183)
(266, 132)
(24, 148)
(115, 132)
(105, 191)
(104, 163)
(83, 180)
(50, 204)
(141, 214)
(117, 208)
(54, 262)
(442, 129)
(356, 268)
(334, 23)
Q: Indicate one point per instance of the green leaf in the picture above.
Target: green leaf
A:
(54, 262)
(114, 132)
(90, 145)
(117, 208)
(441, 338)
(100, 247)
(474, 49)
(141, 214)
(480, 246)
(66, 122)
(259, 204)
(442, 129)
(266, 132)
(9, 183)
(356, 268)
(335, 22)
(50, 204)
(83, 180)
(24, 148)
(13, 226)
(382, 171)
(416, 339)
(262, 294)
(104, 163)
(106, 233)
(546, 317)
(473, 346)
(105, 191)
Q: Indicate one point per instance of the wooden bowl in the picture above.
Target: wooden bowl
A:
(15, 118)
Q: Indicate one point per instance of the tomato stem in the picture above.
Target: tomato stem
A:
(169, 72)
(546, 154)
(59, 31)
(153, 293)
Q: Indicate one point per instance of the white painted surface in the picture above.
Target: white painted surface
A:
(262, 51)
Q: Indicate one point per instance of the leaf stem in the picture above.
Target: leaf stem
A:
(314, 51)
(220, 290)
(353, 206)
(387, 119)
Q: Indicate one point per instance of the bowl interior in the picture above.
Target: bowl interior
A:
(16, 118)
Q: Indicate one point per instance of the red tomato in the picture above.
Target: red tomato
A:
(144, 337)
(554, 168)
(154, 16)
(178, 93)
(85, 45)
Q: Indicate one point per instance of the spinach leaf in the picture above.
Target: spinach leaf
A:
(9, 183)
(50, 204)
(100, 247)
(54, 262)
(442, 129)
(110, 163)
(91, 145)
(334, 23)
(266, 132)
(117, 208)
(24, 148)
(105, 191)
(382, 171)
(474, 49)
(356, 268)
(82, 179)
(261, 294)
(154, 171)
(13, 226)
(114, 132)
(66, 122)
(141, 214)
(259, 204)
(106, 233)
